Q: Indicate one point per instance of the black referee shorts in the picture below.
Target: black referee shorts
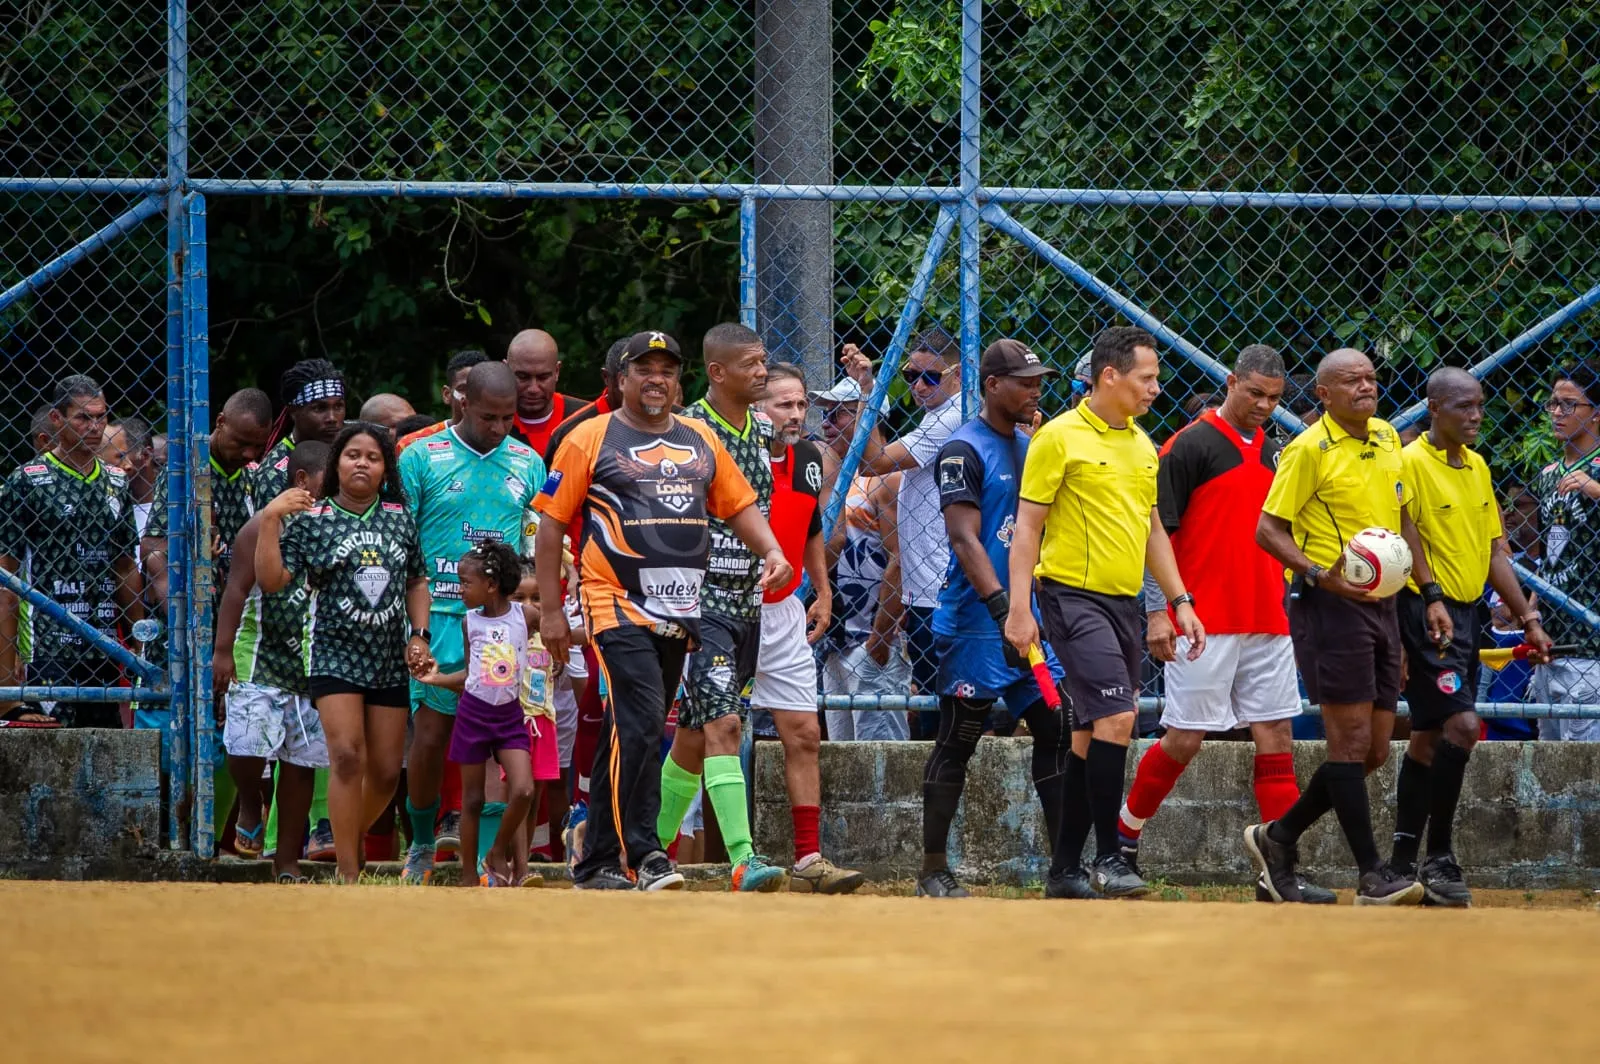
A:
(1348, 652)
(1097, 640)
(1440, 681)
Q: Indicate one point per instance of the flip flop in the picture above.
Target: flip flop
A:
(249, 843)
(289, 879)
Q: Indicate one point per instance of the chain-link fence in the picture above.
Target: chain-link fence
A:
(1413, 181)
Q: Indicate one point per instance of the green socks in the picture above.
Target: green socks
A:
(489, 827)
(319, 798)
(421, 822)
(678, 788)
(725, 788)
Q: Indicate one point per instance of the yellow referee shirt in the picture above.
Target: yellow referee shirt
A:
(1330, 485)
(1456, 512)
(1100, 484)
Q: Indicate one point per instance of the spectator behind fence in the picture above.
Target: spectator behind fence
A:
(358, 553)
(388, 410)
(70, 518)
(1569, 511)
(158, 452)
(454, 394)
(140, 467)
(865, 558)
(536, 361)
(1523, 531)
(41, 431)
(932, 374)
(312, 394)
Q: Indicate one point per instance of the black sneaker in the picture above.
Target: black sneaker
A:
(1274, 864)
(1114, 878)
(941, 884)
(1443, 884)
(1073, 883)
(605, 879)
(1310, 893)
(1384, 886)
(657, 873)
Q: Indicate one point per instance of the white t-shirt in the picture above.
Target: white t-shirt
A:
(924, 545)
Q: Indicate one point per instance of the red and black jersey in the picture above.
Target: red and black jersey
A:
(574, 418)
(796, 509)
(1212, 485)
(536, 434)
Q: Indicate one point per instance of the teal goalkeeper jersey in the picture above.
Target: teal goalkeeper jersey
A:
(459, 497)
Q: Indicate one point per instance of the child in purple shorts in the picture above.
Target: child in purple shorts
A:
(489, 720)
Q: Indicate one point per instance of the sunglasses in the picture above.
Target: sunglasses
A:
(930, 377)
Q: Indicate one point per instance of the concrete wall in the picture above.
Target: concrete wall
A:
(1529, 816)
(79, 804)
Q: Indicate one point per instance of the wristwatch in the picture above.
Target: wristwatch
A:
(1315, 574)
(1184, 599)
(422, 634)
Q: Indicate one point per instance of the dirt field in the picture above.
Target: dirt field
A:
(118, 972)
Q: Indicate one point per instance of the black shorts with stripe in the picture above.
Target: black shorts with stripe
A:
(1097, 639)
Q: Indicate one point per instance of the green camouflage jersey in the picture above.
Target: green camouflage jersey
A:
(732, 572)
(269, 646)
(270, 476)
(70, 529)
(459, 497)
(233, 502)
(355, 567)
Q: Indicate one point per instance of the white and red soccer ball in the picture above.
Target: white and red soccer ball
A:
(1377, 561)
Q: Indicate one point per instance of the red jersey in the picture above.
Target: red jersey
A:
(1212, 485)
(796, 509)
(536, 434)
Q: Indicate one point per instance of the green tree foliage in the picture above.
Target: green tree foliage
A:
(1360, 96)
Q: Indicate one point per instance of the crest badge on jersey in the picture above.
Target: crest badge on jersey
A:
(665, 456)
(1449, 682)
(814, 476)
(952, 472)
(372, 578)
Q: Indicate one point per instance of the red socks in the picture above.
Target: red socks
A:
(807, 836)
(1152, 782)
(450, 789)
(1276, 789)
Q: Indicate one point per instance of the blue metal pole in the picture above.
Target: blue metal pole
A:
(920, 284)
(202, 595)
(997, 217)
(971, 156)
(83, 186)
(1518, 345)
(106, 644)
(747, 262)
(1083, 197)
(52, 693)
(114, 230)
(1556, 597)
(179, 552)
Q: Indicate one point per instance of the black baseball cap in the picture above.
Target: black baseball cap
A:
(653, 342)
(1012, 358)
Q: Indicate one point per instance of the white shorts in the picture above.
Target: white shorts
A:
(786, 672)
(566, 707)
(1240, 679)
(272, 723)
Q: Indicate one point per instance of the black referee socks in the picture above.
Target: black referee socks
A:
(1108, 764)
(1347, 786)
(1444, 792)
(1411, 798)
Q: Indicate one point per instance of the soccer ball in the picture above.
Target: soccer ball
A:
(1377, 561)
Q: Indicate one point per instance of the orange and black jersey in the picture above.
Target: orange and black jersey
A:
(645, 499)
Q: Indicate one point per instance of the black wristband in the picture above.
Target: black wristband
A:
(999, 605)
(1431, 593)
(423, 634)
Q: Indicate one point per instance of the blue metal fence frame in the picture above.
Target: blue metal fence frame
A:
(968, 205)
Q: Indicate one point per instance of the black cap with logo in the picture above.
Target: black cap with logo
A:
(1012, 358)
(650, 343)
